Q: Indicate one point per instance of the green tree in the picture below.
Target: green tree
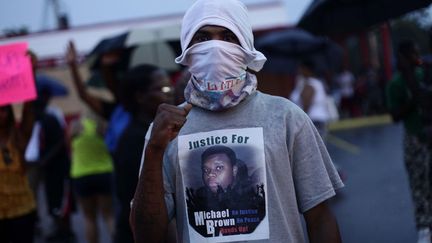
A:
(413, 26)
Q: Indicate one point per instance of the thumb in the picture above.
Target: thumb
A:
(186, 107)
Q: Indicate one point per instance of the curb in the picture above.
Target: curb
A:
(352, 123)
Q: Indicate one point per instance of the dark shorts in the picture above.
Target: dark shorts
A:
(91, 185)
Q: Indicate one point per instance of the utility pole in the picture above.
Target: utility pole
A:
(60, 16)
(62, 20)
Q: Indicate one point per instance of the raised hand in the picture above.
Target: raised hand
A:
(71, 55)
(167, 124)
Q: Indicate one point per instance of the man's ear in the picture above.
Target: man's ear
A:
(235, 170)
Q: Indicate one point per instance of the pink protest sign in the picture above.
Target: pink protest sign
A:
(16, 74)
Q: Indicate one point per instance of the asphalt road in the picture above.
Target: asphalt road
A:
(375, 206)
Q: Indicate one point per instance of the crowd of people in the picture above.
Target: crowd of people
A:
(135, 159)
(89, 163)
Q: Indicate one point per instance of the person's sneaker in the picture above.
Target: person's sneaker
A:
(424, 235)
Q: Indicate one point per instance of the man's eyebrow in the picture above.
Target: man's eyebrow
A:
(201, 32)
(227, 32)
(204, 31)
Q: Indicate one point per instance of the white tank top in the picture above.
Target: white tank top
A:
(318, 108)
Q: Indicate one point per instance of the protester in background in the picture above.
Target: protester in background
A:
(34, 170)
(32, 154)
(55, 162)
(345, 84)
(91, 171)
(144, 88)
(217, 48)
(408, 102)
(309, 94)
(17, 204)
(370, 92)
(113, 111)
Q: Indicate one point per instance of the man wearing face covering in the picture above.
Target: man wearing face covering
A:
(281, 148)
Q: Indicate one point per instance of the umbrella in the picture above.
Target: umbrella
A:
(345, 16)
(284, 49)
(161, 54)
(293, 42)
(50, 85)
(153, 46)
(110, 44)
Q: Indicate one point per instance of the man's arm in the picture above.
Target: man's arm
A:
(149, 217)
(28, 117)
(26, 125)
(321, 225)
(307, 96)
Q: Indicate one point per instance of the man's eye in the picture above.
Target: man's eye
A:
(200, 38)
(219, 168)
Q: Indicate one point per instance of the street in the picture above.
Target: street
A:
(375, 206)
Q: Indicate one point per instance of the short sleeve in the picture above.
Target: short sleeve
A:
(315, 177)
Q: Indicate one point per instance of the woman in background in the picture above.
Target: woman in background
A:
(309, 94)
(91, 171)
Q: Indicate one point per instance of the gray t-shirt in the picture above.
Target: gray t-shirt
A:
(284, 161)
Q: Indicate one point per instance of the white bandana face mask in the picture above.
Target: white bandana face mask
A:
(219, 78)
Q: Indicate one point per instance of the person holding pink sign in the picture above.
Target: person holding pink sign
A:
(17, 204)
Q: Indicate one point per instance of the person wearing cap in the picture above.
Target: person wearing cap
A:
(289, 160)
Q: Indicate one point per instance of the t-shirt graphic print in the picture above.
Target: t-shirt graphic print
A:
(224, 177)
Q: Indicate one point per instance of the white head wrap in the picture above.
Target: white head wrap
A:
(231, 14)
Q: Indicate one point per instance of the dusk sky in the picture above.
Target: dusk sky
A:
(37, 15)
